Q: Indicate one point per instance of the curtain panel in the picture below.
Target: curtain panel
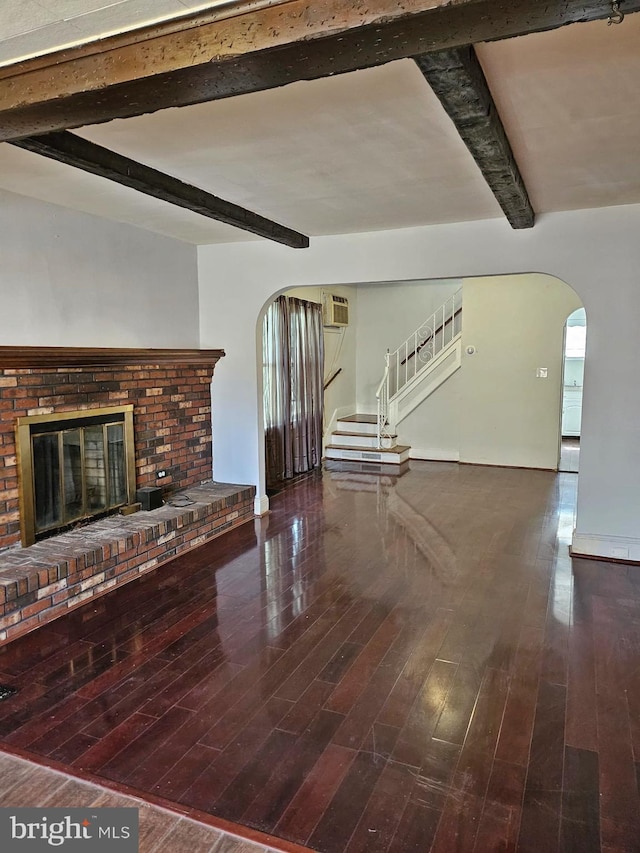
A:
(293, 360)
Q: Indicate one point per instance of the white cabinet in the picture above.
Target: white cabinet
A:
(571, 409)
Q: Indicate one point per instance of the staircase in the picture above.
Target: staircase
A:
(356, 439)
(420, 365)
(412, 373)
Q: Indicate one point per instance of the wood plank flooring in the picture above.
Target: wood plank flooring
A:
(380, 664)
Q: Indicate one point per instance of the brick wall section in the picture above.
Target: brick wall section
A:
(172, 421)
(40, 583)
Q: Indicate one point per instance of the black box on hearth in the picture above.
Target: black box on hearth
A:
(150, 497)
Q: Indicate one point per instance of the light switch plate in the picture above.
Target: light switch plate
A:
(542, 372)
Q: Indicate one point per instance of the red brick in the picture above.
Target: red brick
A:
(36, 607)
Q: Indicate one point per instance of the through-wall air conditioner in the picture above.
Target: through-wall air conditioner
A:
(336, 310)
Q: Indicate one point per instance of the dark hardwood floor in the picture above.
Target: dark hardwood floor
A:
(380, 664)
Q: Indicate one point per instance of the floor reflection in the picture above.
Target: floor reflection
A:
(390, 661)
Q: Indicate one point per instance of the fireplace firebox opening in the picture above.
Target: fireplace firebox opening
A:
(72, 467)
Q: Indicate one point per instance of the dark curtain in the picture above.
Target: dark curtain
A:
(277, 392)
(293, 358)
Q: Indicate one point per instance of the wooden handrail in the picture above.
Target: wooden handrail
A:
(432, 335)
(331, 378)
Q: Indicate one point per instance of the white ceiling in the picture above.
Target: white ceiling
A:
(372, 149)
(570, 102)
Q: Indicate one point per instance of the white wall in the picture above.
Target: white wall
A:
(432, 430)
(387, 314)
(595, 251)
(71, 279)
(509, 416)
(494, 410)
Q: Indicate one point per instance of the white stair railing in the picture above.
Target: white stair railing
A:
(382, 396)
(421, 347)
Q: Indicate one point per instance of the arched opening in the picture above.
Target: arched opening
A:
(575, 339)
(501, 408)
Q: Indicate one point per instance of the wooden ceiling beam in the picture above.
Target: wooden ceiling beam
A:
(80, 153)
(256, 48)
(456, 77)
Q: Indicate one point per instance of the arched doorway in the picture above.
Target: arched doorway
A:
(572, 384)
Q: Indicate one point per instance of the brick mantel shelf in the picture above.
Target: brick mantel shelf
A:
(52, 357)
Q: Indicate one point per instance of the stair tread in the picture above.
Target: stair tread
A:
(397, 448)
(359, 434)
(360, 419)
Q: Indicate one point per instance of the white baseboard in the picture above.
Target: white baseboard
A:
(623, 548)
(260, 505)
(434, 454)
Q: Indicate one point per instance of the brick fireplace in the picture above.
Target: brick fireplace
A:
(171, 398)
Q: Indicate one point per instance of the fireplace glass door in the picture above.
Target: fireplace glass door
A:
(78, 468)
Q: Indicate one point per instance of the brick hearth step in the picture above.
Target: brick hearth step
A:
(46, 580)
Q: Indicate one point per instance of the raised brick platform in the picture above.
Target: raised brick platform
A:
(46, 580)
